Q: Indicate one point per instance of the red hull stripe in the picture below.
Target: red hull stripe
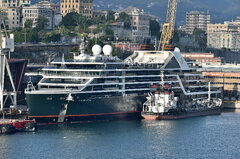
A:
(54, 116)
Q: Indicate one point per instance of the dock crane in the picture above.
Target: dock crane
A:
(168, 26)
(6, 45)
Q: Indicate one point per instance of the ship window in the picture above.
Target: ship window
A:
(72, 87)
(55, 86)
(62, 98)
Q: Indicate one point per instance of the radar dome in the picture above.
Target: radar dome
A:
(107, 50)
(96, 49)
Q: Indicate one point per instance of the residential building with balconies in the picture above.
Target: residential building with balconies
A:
(197, 20)
(83, 7)
(140, 23)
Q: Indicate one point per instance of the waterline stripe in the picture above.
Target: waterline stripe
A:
(54, 116)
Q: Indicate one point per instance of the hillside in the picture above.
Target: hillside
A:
(221, 10)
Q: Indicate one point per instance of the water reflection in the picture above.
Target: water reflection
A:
(201, 137)
(4, 146)
(231, 110)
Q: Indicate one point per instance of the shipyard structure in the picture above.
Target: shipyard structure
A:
(225, 76)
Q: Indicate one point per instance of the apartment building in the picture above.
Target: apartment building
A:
(225, 35)
(12, 11)
(100, 14)
(140, 23)
(197, 20)
(83, 7)
(217, 27)
(233, 26)
(42, 9)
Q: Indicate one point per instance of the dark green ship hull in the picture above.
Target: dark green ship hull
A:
(46, 108)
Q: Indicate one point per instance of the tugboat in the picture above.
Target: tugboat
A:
(164, 105)
(8, 126)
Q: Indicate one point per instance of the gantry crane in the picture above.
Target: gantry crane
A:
(6, 45)
(168, 26)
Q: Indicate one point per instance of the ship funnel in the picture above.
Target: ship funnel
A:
(96, 49)
(107, 50)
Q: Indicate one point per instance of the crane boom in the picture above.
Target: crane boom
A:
(168, 26)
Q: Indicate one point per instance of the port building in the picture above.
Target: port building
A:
(226, 35)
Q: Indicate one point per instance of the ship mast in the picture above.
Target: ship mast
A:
(162, 79)
(209, 91)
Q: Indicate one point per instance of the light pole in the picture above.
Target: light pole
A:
(25, 36)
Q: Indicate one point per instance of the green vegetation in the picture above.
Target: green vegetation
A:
(73, 25)
(41, 23)
(177, 35)
(200, 37)
(124, 17)
(28, 24)
(110, 16)
(154, 28)
(53, 37)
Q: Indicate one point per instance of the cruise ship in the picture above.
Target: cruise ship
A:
(103, 87)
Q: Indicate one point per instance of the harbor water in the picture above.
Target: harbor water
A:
(212, 137)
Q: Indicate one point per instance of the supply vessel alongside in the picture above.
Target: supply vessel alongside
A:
(103, 87)
(164, 105)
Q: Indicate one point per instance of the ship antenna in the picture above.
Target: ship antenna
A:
(209, 91)
(82, 47)
(63, 60)
(162, 78)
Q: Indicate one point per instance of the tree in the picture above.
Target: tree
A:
(97, 30)
(109, 34)
(53, 37)
(62, 30)
(70, 19)
(18, 36)
(154, 27)
(33, 37)
(74, 19)
(124, 17)
(28, 24)
(41, 23)
(21, 36)
(201, 37)
(177, 35)
(110, 15)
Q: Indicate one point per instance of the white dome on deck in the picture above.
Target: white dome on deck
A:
(107, 50)
(96, 49)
